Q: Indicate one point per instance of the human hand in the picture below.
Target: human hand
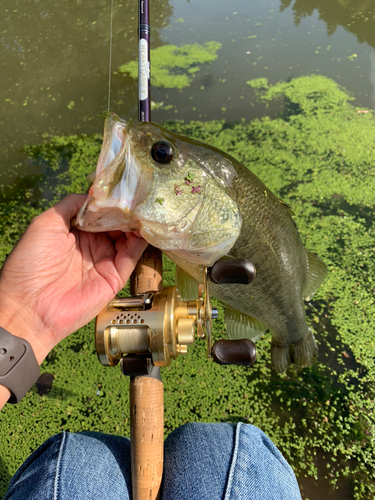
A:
(58, 278)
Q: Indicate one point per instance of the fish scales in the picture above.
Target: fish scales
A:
(270, 240)
(198, 205)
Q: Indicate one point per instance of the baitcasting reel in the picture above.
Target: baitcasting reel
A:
(157, 324)
(155, 327)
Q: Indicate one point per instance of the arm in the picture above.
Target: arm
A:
(57, 278)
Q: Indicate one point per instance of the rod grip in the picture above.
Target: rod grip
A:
(146, 437)
(147, 275)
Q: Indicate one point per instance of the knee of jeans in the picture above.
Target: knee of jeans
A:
(33, 471)
(211, 435)
(252, 438)
(87, 464)
(67, 447)
(197, 427)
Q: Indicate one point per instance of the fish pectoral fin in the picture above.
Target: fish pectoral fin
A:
(242, 326)
(303, 353)
(91, 177)
(186, 284)
(317, 271)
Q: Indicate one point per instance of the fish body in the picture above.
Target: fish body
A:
(198, 205)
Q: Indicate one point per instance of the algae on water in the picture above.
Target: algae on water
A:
(175, 67)
(319, 157)
(312, 94)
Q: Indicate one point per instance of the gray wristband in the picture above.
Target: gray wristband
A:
(19, 369)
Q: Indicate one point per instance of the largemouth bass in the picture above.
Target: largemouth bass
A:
(198, 205)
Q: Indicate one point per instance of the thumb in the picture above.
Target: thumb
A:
(63, 212)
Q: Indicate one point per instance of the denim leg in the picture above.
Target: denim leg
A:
(225, 462)
(84, 466)
(258, 469)
(197, 461)
(202, 462)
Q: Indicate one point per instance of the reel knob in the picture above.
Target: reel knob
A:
(234, 352)
(223, 272)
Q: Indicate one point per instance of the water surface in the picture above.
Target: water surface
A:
(54, 59)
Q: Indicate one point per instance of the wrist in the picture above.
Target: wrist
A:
(25, 324)
(5, 394)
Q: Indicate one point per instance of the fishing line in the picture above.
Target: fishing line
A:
(110, 57)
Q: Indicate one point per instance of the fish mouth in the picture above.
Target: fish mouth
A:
(117, 186)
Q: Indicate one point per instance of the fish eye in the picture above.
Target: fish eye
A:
(162, 152)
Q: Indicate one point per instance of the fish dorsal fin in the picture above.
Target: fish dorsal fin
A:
(287, 207)
(186, 284)
(317, 271)
(242, 326)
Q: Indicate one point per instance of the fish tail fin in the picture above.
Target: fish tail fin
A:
(280, 355)
(303, 353)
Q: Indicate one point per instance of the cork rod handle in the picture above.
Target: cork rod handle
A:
(147, 437)
(146, 398)
(147, 275)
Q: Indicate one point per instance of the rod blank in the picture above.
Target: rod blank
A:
(144, 72)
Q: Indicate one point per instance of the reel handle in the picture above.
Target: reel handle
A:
(234, 352)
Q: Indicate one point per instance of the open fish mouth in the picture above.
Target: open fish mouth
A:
(151, 180)
(115, 190)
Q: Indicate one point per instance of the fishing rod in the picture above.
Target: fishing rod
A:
(144, 66)
(155, 326)
(146, 390)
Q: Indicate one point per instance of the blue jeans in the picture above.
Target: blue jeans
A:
(202, 462)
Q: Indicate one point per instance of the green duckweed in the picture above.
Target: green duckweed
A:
(319, 157)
